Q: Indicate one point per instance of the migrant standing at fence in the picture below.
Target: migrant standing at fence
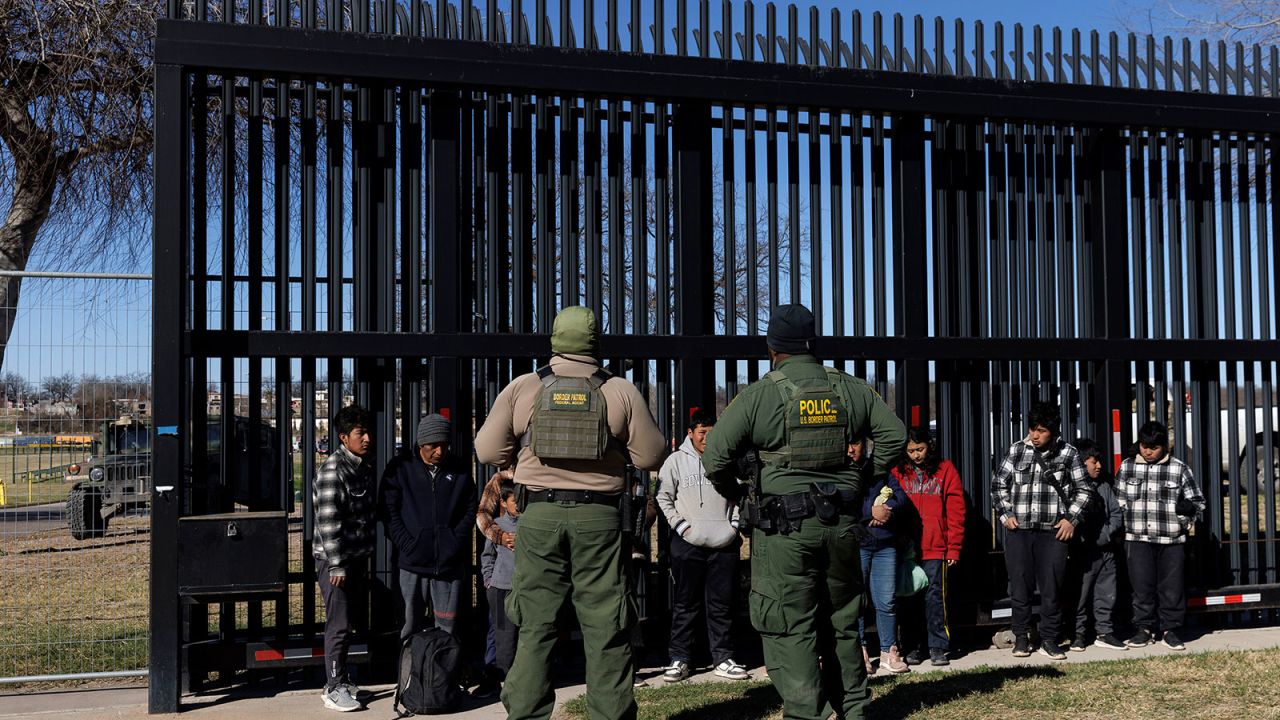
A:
(573, 427)
(343, 498)
(488, 511)
(1161, 502)
(881, 507)
(704, 555)
(804, 554)
(936, 520)
(1038, 492)
(1091, 560)
(429, 506)
(497, 566)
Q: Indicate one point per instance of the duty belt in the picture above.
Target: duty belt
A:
(783, 513)
(582, 497)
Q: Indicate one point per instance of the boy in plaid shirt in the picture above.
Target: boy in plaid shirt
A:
(1038, 493)
(1160, 500)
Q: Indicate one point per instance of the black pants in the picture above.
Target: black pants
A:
(1093, 568)
(1036, 559)
(504, 631)
(922, 618)
(704, 581)
(1155, 571)
(344, 609)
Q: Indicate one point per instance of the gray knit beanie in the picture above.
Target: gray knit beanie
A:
(434, 428)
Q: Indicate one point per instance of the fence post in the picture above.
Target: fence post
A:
(691, 129)
(1109, 259)
(168, 376)
(911, 301)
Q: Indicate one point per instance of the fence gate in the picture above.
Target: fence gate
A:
(389, 202)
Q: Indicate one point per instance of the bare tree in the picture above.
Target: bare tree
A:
(15, 387)
(60, 388)
(75, 129)
(1246, 21)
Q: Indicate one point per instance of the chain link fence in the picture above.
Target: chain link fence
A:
(75, 471)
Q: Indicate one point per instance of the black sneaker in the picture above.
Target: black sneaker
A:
(915, 657)
(1172, 641)
(1022, 646)
(1078, 645)
(1110, 642)
(1053, 652)
(938, 658)
(1142, 638)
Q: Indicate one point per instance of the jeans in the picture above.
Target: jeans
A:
(880, 575)
(422, 594)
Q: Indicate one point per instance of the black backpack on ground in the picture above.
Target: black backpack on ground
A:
(428, 682)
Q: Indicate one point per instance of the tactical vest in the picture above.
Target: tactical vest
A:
(816, 431)
(571, 420)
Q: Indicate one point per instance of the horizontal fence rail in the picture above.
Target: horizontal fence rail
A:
(393, 214)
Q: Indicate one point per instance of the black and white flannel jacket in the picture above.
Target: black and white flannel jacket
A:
(1039, 489)
(1160, 500)
(343, 497)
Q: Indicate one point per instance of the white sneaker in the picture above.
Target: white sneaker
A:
(732, 671)
(340, 699)
(677, 671)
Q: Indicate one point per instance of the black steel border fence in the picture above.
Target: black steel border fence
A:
(391, 200)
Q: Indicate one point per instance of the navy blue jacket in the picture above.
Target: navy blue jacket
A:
(430, 520)
(884, 535)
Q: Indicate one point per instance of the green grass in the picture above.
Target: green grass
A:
(1201, 686)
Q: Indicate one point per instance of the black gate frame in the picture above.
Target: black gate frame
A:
(692, 85)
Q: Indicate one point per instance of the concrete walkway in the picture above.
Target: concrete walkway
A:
(131, 702)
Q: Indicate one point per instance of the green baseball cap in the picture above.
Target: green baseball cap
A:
(575, 332)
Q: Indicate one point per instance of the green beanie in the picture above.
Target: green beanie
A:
(575, 332)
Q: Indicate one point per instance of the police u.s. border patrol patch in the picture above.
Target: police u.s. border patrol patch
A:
(818, 412)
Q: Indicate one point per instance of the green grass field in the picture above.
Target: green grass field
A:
(1204, 686)
(18, 467)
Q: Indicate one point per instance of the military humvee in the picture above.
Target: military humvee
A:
(118, 475)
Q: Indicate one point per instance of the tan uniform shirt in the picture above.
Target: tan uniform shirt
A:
(498, 442)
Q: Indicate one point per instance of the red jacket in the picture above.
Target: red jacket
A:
(939, 501)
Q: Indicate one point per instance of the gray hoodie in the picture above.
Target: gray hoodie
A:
(498, 562)
(688, 500)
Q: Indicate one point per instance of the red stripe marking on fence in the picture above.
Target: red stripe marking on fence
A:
(1118, 456)
(915, 416)
(268, 655)
(1224, 599)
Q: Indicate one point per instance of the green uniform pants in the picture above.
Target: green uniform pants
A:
(567, 550)
(797, 582)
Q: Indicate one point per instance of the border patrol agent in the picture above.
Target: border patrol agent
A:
(800, 419)
(571, 428)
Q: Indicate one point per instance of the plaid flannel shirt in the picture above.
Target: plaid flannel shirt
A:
(1151, 495)
(343, 498)
(1020, 488)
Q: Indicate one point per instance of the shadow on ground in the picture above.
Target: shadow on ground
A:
(906, 698)
(896, 702)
